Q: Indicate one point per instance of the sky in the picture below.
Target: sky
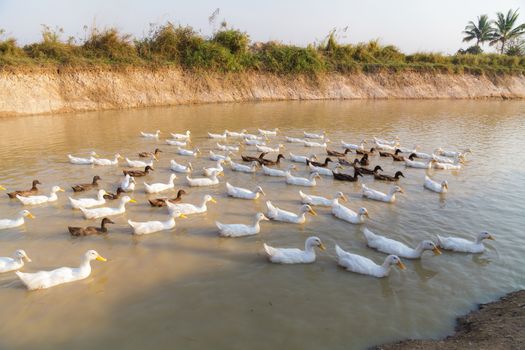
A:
(411, 25)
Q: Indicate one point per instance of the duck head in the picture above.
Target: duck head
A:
(429, 245)
(363, 211)
(21, 254)
(93, 255)
(208, 198)
(26, 214)
(56, 189)
(260, 190)
(314, 242)
(308, 209)
(394, 260)
(484, 235)
(341, 196)
(261, 217)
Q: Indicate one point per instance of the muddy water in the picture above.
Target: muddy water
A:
(189, 289)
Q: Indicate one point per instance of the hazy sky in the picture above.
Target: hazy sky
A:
(412, 25)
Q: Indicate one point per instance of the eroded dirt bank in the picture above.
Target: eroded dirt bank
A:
(57, 91)
(499, 325)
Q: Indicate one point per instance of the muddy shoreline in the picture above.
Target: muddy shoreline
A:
(61, 91)
(497, 325)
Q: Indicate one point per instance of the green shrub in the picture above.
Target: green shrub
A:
(110, 45)
(234, 40)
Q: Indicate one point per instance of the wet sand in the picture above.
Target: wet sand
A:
(496, 326)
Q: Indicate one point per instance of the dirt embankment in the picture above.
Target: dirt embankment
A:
(499, 325)
(57, 91)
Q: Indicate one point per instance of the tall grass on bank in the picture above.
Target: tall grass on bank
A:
(230, 50)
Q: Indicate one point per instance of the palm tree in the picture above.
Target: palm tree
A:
(504, 29)
(482, 31)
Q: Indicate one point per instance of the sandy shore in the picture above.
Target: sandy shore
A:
(494, 326)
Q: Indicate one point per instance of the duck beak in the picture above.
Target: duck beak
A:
(27, 258)
(132, 201)
(2, 188)
(101, 258)
(401, 265)
(31, 216)
(401, 190)
(182, 216)
(491, 238)
(367, 215)
(436, 251)
(344, 199)
(313, 212)
(213, 200)
(322, 247)
(61, 190)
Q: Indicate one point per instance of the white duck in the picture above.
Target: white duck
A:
(354, 147)
(138, 163)
(88, 202)
(204, 181)
(18, 221)
(188, 152)
(236, 134)
(294, 255)
(102, 161)
(268, 132)
(147, 227)
(423, 155)
(218, 167)
(386, 147)
(276, 172)
(177, 143)
(408, 150)
(33, 200)
(389, 197)
(159, 187)
(314, 144)
(106, 211)
(128, 183)
(393, 142)
(228, 148)
(446, 166)
(15, 263)
(462, 245)
(446, 160)
(254, 142)
(309, 135)
(436, 186)
(277, 214)
(47, 279)
(302, 181)
(417, 164)
(301, 159)
(454, 154)
(323, 171)
(255, 137)
(217, 136)
(267, 149)
(151, 135)
(348, 215)
(185, 136)
(321, 201)
(82, 161)
(243, 193)
(188, 209)
(360, 264)
(179, 168)
(252, 168)
(294, 140)
(390, 246)
(241, 230)
(215, 156)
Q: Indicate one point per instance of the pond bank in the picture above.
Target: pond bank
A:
(44, 91)
(496, 325)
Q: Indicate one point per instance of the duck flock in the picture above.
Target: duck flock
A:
(251, 153)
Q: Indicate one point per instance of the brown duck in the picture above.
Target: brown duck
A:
(155, 154)
(362, 151)
(33, 190)
(116, 195)
(338, 154)
(254, 159)
(269, 162)
(385, 154)
(138, 173)
(344, 162)
(396, 157)
(345, 177)
(364, 160)
(85, 187)
(90, 230)
(367, 171)
(161, 202)
(321, 165)
(383, 177)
